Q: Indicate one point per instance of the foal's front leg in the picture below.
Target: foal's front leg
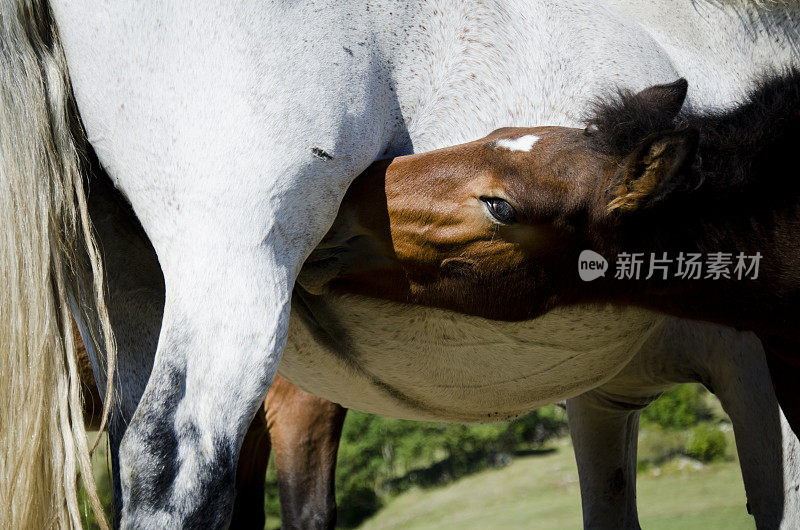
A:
(305, 432)
(248, 510)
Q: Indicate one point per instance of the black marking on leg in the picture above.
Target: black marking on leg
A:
(153, 431)
(216, 482)
(156, 437)
(319, 153)
(617, 482)
(116, 429)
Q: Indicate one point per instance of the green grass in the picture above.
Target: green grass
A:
(100, 467)
(541, 491)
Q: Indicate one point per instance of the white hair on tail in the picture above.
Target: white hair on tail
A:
(47, 256)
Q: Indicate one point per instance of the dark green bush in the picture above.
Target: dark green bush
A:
(388, 456)
(677, 408)
(708, 443)
(356, 505)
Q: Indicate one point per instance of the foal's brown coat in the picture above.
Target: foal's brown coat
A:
(494, 227)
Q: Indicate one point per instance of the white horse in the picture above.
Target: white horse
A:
(603, 421)
(233, 132)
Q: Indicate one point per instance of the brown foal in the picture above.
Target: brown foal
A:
(301, 430)
(495, 227)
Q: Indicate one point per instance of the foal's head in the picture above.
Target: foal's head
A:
(494, 227)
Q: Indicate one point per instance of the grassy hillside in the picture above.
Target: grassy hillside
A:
(426, 475)
(541, 491)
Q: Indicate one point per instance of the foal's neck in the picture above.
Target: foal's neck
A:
(748, 203)
(750, 184)
(753, 148)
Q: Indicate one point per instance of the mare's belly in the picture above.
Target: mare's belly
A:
(422, 363)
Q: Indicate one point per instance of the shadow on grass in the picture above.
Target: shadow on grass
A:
(535, 452)
(456, 467)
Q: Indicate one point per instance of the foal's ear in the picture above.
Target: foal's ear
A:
(667, 98)
(658, 166)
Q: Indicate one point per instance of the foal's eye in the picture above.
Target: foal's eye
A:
(500, 209)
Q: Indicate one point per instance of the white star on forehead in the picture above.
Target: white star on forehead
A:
(523, 143)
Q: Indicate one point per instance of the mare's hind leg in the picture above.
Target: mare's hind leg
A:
(307, 427)
(218, 351)
(135, 301)
(235, 169)
(305, 432)
(230, 255)
(136, 297)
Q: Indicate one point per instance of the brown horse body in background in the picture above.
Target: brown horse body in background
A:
(303, 433)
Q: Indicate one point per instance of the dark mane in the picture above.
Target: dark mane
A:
(754, 142)
(617, 123)
(748, 144)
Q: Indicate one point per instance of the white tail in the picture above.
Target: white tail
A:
(46, 251)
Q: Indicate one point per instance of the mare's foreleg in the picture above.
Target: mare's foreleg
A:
(731, 365)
